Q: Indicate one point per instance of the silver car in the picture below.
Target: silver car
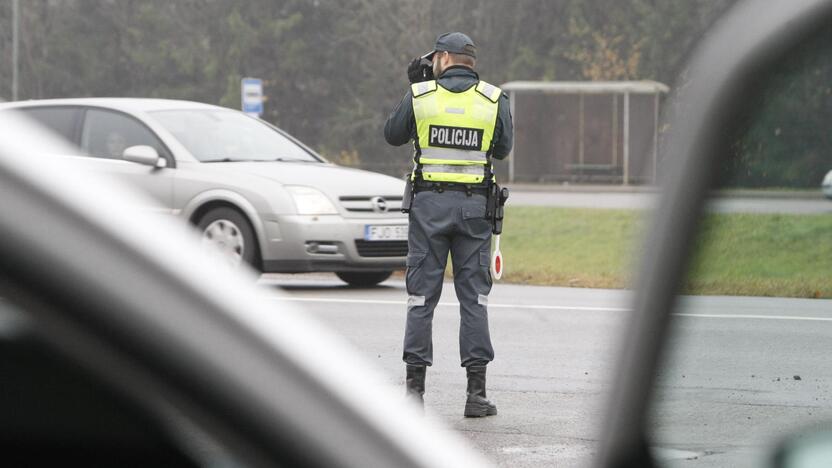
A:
(256, 194)
(827, 185)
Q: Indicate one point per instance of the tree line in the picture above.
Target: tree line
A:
(334, 69)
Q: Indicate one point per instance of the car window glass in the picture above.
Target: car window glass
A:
(747, 360)
(212, 135)
(61, 120)
(107, 134)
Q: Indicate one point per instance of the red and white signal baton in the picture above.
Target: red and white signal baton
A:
(497, 200)
(497, 260)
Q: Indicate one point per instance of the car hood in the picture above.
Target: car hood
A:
(329, 178)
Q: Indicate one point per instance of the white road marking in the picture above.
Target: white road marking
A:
(444, 304)
(667, 454)
(758, 317)
(340, 300)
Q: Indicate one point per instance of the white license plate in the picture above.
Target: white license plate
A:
(382, 233)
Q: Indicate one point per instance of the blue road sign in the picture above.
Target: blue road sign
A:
(252, 96)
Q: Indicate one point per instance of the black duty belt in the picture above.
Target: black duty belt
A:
(440, 187)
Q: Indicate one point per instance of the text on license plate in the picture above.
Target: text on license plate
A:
(379, 233)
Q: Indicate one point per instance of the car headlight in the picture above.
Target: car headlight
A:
(310, 201)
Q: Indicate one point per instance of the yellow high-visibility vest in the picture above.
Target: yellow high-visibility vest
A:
(455, 131)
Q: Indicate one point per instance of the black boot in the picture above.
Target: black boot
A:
(477, 406)
(415, 383)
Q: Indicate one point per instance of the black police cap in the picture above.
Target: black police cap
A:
(455, 43)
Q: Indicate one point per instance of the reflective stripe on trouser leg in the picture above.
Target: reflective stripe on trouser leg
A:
(426, 261)
(415, 301)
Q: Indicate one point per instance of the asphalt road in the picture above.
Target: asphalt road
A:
(646, 200)
(744, 370)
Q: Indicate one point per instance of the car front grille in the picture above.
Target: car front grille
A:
(393, 248)
(364, 204)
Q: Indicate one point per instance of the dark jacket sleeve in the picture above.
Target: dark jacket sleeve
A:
(504, 130)
(400, 127)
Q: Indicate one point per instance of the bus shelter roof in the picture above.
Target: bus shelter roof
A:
(587, 87)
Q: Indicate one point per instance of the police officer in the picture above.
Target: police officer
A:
(457, 123)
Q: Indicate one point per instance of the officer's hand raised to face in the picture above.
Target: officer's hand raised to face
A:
(419, 70)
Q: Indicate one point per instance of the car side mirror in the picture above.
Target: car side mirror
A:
(143, 154)
(811, 449)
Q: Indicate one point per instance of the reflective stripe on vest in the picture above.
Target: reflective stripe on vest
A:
(457, 174)
(490, 91)
(478, 157)
(455, 131)
(424, 87)
(456, 169)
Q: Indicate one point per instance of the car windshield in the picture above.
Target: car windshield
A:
(228, 136)
(745, 362)
(574, 104)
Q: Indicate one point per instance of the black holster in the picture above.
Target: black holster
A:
(495, 207)
(407, 198)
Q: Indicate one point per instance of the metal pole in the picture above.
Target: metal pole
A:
(626, 131)
(655, 136)
(614, 129)
(581, 132)
(15, 47)
(514, 147)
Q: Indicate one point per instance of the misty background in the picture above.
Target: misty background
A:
(333, 70)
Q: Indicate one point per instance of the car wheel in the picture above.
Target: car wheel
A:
(363, 279)
(226, 232)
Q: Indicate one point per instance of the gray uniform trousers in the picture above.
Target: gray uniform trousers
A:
(439, 223)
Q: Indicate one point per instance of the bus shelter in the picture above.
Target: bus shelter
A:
(585, 132)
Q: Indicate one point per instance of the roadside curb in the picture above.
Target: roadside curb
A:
(570, 188)
(638, 189)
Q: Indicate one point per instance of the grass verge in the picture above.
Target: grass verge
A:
(736, 254)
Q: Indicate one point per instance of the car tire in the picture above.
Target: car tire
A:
(228, 230)
(363, 279)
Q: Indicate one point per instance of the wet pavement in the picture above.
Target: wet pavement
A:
(787, 203)
(728, 393)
